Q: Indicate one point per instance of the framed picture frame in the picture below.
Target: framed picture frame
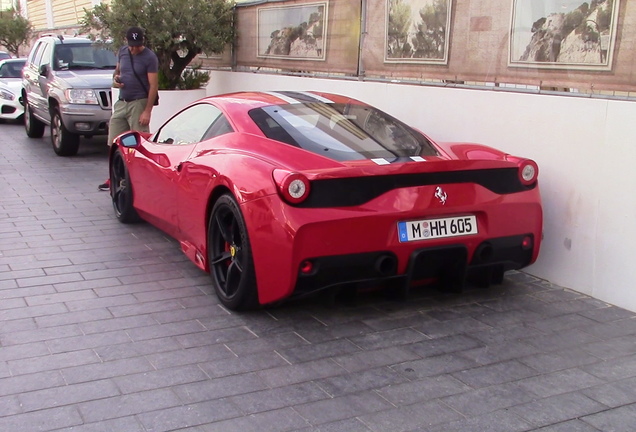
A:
(293, 32)
(417, 31)
(568, 34)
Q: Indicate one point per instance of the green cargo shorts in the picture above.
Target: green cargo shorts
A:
(126, 117)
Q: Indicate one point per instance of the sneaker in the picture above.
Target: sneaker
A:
(104, 186)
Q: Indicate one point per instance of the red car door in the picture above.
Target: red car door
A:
(155, 175)
(159, 167)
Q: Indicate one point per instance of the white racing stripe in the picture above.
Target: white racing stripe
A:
(315, 96)
(282, 97)
(291, 100)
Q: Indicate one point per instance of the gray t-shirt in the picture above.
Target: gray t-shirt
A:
(145, 62)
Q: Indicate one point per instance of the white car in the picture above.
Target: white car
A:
(10, 87)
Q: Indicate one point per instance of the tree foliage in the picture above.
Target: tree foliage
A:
(15, 30)
(572, 20)
(176, 30)
(430, 39)
(425, 38)
(398, 31)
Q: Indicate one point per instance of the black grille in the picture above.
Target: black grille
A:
(359, 190)
(105, 98)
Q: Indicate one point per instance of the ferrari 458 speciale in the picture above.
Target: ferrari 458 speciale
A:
(283, 194)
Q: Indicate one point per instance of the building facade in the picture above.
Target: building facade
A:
(55, 14)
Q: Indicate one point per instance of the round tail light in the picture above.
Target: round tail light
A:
(293, 187)
(528, 169)
(528, 173)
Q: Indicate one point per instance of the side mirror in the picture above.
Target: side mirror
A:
(44, 70)
(129, 139)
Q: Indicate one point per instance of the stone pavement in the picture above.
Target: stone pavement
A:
(107, 327)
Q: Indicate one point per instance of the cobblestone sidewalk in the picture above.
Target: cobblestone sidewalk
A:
(106, 327)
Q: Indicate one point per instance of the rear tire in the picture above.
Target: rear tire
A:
(230, 256)
(64, 142)
(34, 127)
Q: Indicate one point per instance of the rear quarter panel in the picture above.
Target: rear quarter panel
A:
(212, 173)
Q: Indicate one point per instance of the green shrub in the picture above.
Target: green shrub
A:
(194, 78)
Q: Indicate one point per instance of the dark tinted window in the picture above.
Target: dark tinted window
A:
(83, 56)
(12, 69)
(342, 131)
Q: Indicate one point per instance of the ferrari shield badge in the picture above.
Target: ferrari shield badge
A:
(440, 195)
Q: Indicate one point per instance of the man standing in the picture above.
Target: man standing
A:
(136, 76)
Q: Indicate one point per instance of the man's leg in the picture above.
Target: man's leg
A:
(135, 108)
(118, 124)
(118, 121)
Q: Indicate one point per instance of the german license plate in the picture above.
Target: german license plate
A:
(428, 229)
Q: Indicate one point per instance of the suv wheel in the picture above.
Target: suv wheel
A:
(34, 127)
(64, 142)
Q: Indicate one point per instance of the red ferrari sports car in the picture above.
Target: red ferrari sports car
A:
(283, 194)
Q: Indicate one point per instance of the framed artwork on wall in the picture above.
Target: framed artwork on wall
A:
(417, 31)
(295, 32)
(568, 34)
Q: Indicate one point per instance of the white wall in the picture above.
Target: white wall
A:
(585, 148)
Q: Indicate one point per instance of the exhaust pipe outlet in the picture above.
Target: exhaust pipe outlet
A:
(386, 265)
(484, 252)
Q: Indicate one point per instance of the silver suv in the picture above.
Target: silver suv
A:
(67, 85)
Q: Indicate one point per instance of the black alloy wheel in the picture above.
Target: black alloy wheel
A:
(230, 256)
(121, 190)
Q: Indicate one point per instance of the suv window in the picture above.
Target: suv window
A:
(37, 54)
(45, 57)
(83, 56)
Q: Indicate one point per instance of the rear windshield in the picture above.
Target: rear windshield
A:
(83, 56)
(342, 131)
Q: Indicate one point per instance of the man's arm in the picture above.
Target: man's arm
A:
(116, 82)
(153, 80)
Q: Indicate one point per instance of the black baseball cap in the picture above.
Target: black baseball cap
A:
(135, 36)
